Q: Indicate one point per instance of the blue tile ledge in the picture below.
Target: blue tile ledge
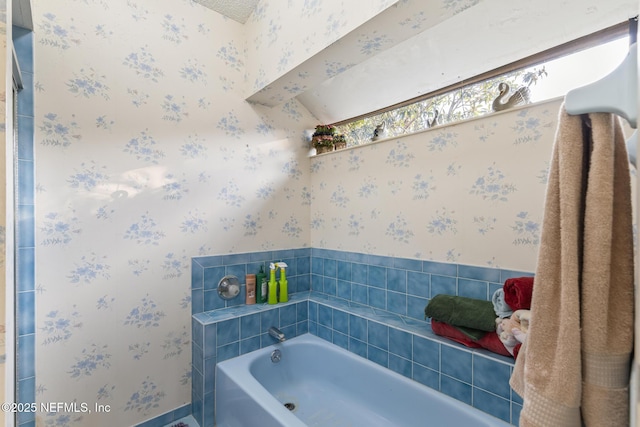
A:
(214, 316)
(403, 323)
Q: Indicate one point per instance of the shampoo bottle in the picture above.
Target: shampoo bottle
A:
(273, 285)
(250, 297)
(284, 292)
(261, 286)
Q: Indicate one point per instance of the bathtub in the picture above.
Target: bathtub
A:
(317, 383)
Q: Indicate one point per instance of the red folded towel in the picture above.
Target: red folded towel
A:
(490, 341)
(517, 292)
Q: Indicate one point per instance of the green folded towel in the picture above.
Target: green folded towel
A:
(462, 312)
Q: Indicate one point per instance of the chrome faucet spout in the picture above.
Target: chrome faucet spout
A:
(276, 333)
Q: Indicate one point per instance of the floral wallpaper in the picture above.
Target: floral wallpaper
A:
(324, 38)
(146, 155)
(470, 193)
(312, 26)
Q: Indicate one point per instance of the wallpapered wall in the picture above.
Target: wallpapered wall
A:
(146, 155)
(469, 193)
(361, 30)
(276, 45)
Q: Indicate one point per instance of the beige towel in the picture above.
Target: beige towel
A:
(574, 367)
(607, 279)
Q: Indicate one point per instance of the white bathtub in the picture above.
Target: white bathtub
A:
(329, 386)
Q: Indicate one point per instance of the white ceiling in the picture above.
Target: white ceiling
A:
(238, 10)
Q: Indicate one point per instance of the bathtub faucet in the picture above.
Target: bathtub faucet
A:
(276, 333)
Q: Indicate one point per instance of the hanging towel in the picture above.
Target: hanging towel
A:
(462, 311)
(607, 276)
(517, 292)
(574, 365)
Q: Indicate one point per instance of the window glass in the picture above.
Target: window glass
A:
(544, 81)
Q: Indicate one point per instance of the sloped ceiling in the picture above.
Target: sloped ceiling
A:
(484, 36)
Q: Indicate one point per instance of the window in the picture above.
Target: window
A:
(553, 74)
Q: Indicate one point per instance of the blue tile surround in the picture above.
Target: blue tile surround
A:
(207, 271)
(370, 305)
(25, 230)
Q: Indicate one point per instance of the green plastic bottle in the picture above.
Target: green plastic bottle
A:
(262, 289)
(273, 286)
(284, 290)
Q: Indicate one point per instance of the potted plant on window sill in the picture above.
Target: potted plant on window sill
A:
(322, 138)
(340, 141)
